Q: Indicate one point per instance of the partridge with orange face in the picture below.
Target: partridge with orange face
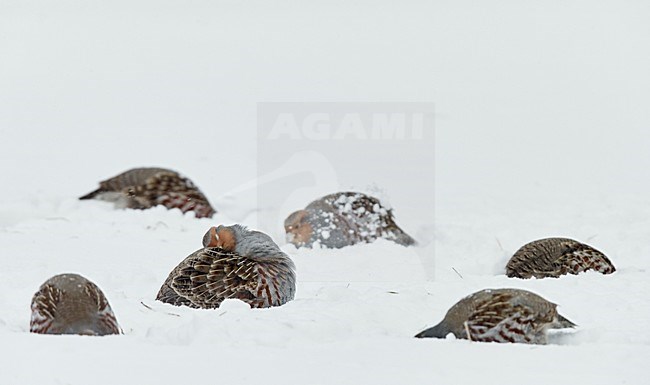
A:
(343, 219)
(234, 263)
(553, 257)
(500, 315)
(143, 188)
(71, 304)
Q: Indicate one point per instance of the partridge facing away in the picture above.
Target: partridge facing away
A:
(71, 304)
(553, 257)
(143, 188)
(235, 263)
(342, 219)
(500, 315)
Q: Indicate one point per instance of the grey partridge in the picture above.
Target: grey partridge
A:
(344, 219)
(235, 263)
(553, 257)
(143, 188)
(71, 304)
(500, 315)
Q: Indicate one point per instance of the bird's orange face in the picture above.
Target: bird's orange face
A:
(221, 237)
(298, 228)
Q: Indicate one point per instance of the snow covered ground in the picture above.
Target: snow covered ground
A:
(542, 128)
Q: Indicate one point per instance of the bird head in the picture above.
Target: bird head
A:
(223, 237)
(299, 230)
(240, 240)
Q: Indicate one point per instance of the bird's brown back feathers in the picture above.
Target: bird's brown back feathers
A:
(143, 188)
(210, 275)
(553, 257)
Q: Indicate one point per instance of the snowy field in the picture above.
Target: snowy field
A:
(542, 128)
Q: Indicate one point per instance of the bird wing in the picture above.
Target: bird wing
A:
(172, 191)
(499, 318)
(579, 257)
(367, 218)
(44, 304)
(105, 314)
(541, 258)
(210, 275)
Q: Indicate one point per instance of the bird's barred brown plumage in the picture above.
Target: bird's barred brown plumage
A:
(210, 275)
(71, 304)
(234, 263)
(143, 188)
(554, 257)
(500, 315)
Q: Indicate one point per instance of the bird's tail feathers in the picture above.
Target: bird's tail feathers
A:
(92, 194)
(562, 323)
(438, 331)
